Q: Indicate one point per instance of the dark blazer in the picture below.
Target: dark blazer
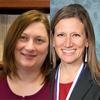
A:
(86, 88)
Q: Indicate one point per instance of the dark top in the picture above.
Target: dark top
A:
(7, 94)
(86, 88)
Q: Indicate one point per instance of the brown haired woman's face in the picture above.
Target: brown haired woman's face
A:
(32, 46)
(70, 40)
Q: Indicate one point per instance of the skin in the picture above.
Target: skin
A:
(30, 52)
(32, 47)
(69, 42)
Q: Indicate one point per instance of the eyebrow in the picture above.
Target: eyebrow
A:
(38, 35)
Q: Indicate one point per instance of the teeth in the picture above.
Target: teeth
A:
(29, 55)
(68, 51)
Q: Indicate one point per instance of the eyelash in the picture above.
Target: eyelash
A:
(23, 38)
(60, 34)
(76, 35)
(38, 40)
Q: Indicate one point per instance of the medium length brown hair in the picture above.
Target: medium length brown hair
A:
(78, 11)
(14, 32)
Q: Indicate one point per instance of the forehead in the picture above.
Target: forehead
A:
(36, 28)
(71, 24)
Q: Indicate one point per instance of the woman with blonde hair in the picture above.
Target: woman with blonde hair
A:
(77, 75)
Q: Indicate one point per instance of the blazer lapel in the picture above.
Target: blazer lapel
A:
(82, 86)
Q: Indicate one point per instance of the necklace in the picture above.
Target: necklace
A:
(57, 81)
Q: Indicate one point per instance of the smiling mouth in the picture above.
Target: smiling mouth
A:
(28, 55)
(69, 52)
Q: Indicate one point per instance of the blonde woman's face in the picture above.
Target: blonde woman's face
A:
(32, 46)
(69, 40)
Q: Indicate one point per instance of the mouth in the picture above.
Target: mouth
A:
(29, 55)
(68, 51)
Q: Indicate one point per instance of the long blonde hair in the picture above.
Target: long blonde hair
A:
(78, 11)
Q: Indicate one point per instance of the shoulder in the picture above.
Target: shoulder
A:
(46, 87)
(92, 88)
(2, 75)
(93, 92)
(2, 80)
(86, 87)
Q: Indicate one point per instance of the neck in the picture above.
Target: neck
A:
(28, 82)
(29, 75)
(68, 71)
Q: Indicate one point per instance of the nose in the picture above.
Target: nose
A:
(30, 46)
(68, 41)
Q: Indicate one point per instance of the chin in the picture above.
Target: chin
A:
(68, 60)
(27, 64)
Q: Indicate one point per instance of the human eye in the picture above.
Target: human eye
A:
(60, 34)
(23, 38)
(76, 35)
(39, 40)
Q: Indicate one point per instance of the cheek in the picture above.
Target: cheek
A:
(58, 42)
(18, 48)
(80, 46)
(19, 45)
(43, 49)
(80, 43)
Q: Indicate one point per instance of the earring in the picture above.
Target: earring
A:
(86, 54)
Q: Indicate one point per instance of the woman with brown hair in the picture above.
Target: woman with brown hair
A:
(26, 61)
(77, 74)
